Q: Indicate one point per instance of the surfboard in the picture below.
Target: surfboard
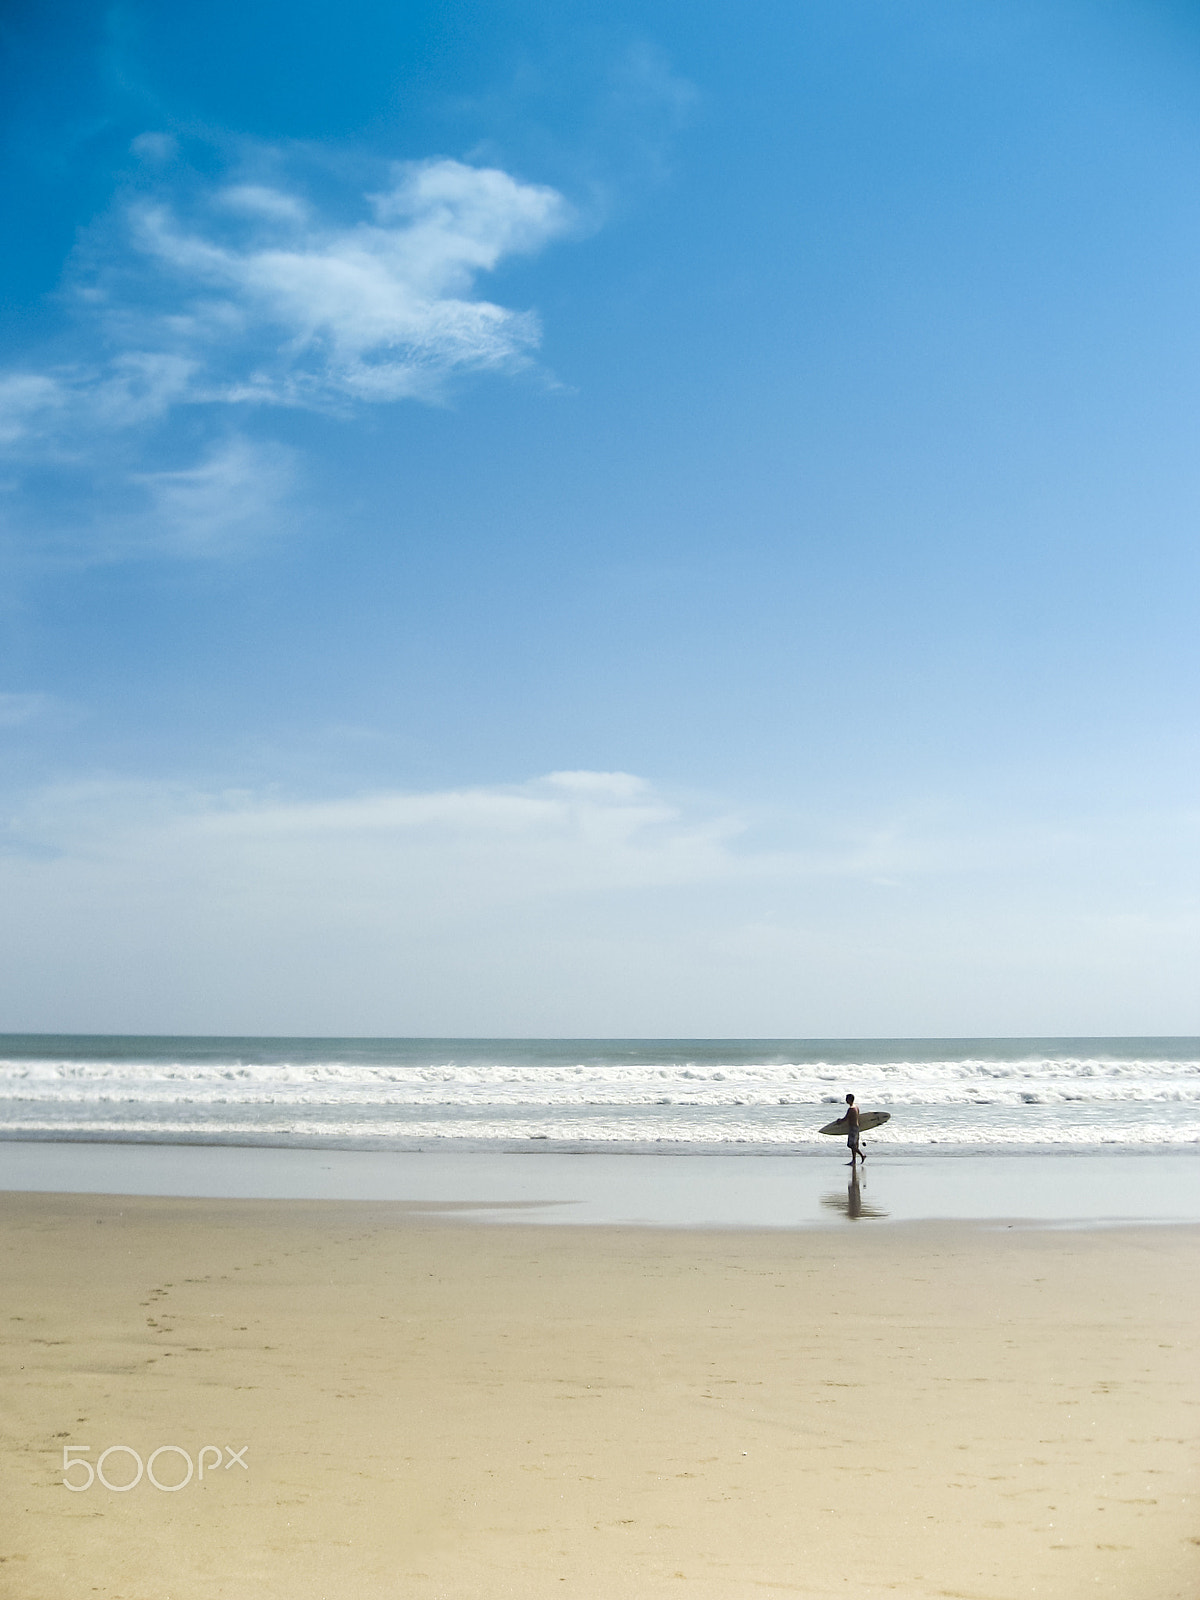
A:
(867, 1119)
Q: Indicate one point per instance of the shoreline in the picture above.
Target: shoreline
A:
(648, 1189)
(434, 1408)
(543, 1144)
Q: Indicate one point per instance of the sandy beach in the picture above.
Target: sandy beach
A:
(428, 1406)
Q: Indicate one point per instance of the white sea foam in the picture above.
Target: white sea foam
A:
(451, 1083)
(737, 1093)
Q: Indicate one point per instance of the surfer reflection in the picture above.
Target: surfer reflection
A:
(853, 1205)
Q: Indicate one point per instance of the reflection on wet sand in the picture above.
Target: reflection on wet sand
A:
(852, 1204)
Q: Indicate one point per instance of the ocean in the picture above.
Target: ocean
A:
(705, 1096)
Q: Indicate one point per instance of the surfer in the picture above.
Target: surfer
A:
(852, 1131)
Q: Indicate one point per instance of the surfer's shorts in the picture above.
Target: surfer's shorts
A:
(852, 1139)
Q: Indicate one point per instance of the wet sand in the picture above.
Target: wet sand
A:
(430, 1407)
(720, 1190)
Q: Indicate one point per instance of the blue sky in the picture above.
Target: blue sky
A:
(600, 520)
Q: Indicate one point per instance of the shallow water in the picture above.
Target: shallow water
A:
(731, 1190)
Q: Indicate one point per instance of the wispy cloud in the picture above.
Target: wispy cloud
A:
(102, 506)
(223, 505)
(276, 305)
(29, 403)
(246, 294)
(568, 831)
(581, 901)
(650, 103)
(608, 122)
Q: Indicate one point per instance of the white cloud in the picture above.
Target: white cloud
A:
(257, 200)
(569, 831)
(618, 785)
(376, 913)
(577, 903)
(377, 311)
(27, 401)
(247, 294)
(236, 496)
(259, 300)
(139, 386)
(224, 505)
(59, 414)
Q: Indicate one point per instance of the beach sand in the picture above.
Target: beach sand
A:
(431, 1406)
